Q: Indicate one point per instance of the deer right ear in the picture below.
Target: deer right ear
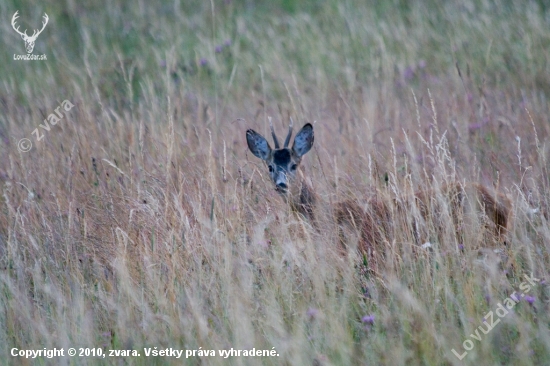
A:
(257, 144)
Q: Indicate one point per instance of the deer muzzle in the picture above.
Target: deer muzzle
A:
(281, 182)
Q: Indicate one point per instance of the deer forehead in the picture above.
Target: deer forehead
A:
(281, 157)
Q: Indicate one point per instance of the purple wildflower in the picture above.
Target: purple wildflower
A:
(530, 299)
(263, 244)
(368, 319)
(408, 74)
(203, 62)
(219, 49)
(514, 297)
(461, 246)
(474, 126)
(312, 313)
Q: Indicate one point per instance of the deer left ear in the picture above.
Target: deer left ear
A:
(303, 140)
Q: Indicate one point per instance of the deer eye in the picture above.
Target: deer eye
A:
(271, 168)
(293, 167)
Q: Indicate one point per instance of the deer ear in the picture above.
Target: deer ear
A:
(303, 140)
(257, 144)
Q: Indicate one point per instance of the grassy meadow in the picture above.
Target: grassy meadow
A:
(140, 219)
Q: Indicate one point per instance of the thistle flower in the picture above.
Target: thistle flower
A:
(368, 319)
(408, 73)
(312, 313)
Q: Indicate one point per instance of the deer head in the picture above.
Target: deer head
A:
(282, 163)
(29, 41)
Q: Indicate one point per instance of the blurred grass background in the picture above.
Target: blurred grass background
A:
(140, 220)
(322, 43)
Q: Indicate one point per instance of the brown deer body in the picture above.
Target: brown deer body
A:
(376, 222)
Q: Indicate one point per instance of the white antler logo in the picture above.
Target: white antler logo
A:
(29, 41)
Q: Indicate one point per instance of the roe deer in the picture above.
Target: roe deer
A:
(376, 221)
(284, 165)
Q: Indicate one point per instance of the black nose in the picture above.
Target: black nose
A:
(282, 186)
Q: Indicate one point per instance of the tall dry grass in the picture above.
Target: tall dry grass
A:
(141, 220)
